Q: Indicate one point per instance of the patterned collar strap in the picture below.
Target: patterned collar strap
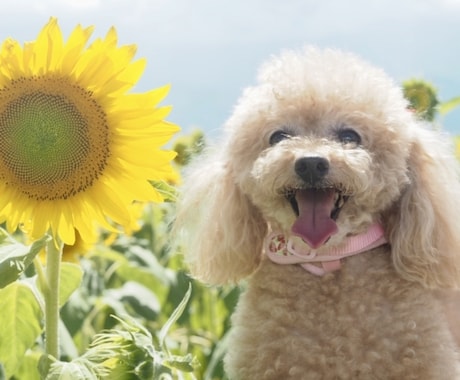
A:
(295, 251)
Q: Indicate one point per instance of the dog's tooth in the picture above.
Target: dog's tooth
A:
(336, 197)
(341, 202)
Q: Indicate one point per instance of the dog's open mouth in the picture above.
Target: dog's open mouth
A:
(317, 211)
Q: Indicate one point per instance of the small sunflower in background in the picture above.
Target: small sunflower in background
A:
(76, 148)
(422, 97)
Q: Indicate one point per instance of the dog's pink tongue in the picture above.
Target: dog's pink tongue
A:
(314, 224)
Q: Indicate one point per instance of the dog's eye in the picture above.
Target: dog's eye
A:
(278, 136)
(349, 136)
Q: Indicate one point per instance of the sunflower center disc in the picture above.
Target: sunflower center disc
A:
(53, 138)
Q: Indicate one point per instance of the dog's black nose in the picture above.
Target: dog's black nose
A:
(311, 169)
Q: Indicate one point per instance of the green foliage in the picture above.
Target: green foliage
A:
(188, 146)
(15, 257)
(137, 279)
(20, 323)
(71, 275)
(129, 310)
(125, 353)
(22, 301)
(422, 97)
(449, 105)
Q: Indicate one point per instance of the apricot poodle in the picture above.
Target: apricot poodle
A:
(340, 210)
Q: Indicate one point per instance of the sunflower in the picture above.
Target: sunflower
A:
(76, 147)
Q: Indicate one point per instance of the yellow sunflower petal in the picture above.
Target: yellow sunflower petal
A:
(65, 227)
(11, 57)
(47, 49)
(147, 100)
(123, 80)
(74, 46)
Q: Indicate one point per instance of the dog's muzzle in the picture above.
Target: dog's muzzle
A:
(317, 203)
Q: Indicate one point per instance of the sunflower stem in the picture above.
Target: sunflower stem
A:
(51, 295)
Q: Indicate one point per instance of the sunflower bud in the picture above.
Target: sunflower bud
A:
(422, 98)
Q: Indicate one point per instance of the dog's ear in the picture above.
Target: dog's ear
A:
(220, 230)
(424, 226)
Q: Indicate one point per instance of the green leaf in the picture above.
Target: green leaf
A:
(75, 370)
(185, 363)
(174, 317)
(129, 272)
(168, 192)
(20, 324)
(143, 301)
(15, 257)
(449, 105)
(150, 262)
(71, 276)
(28, 366)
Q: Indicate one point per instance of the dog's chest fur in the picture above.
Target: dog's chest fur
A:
(363, 322)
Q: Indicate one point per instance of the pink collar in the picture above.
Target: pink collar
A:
(296, 251)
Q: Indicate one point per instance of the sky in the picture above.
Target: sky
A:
(210, 50)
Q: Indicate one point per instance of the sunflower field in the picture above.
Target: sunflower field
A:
(128, 309)
(91, 285)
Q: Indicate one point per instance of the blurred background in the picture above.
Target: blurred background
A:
(209, 50)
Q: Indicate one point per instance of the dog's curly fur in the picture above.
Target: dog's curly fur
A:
(386, 314)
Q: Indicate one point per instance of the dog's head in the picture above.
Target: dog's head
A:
(323, 146)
